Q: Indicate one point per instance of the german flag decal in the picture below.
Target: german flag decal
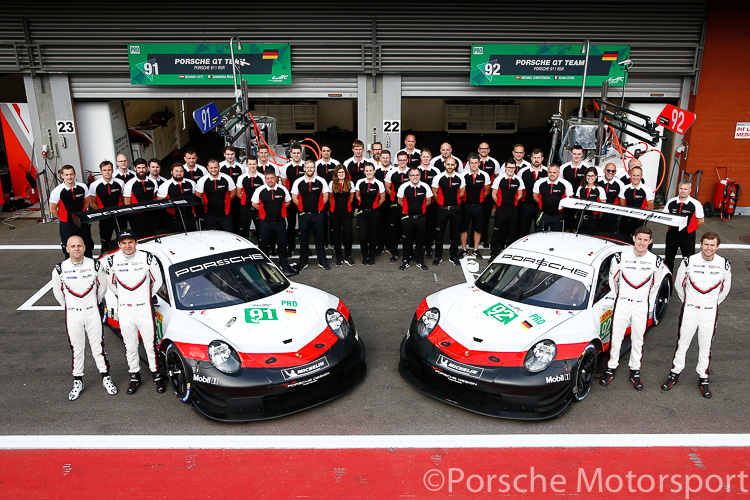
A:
(526, 324)
(274, 54)
(607, 56)
(290, 311)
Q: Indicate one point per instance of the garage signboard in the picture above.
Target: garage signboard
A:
(547, 65)
(209, 63)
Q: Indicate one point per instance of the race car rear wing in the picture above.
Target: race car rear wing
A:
(678, 221)
(124, 210)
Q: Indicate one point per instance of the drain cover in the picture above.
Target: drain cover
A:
(745, 238)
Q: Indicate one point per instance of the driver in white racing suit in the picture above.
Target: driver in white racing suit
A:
(79, 285)
(633, 276)
(702, 282)
(134, 276)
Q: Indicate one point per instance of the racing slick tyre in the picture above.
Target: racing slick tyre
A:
(177, 371)
(662, 299)
(585, 373)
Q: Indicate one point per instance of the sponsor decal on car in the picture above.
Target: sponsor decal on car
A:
(552, 379)
(537, 319)
(449, 364)
(557, 266)
(526, 325)
(159, 326)
(606, 324)
(255, 315)
(501, 312)
(308, 381)
(302, 371)
(453, 379)
(290, 307)
(205, 379)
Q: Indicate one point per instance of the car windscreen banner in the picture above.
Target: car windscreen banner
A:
(678, 221)
(550, 264)
(146, 206)
(209, 63)
(548, 65)
(204, 265)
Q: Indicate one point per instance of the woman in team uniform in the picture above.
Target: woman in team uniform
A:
(592, 191)
(340, 202)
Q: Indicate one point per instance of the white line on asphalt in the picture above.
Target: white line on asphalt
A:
(374, 442)
(29, 304)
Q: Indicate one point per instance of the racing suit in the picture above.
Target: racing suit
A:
(702, 285)
(134, 279)
(79, 287)
(634, 281)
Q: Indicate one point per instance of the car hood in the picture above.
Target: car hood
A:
(284, 322)
(483, 322)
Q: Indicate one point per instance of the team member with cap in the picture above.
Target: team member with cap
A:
(79, 285)
(134, 277)
(702, 283)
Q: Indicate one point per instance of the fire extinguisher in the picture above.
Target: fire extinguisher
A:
(726, 196)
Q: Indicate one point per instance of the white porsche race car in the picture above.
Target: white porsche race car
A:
(523, 340)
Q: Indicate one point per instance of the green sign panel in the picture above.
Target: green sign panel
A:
(209, 64)
(560, 65)
(501, 313)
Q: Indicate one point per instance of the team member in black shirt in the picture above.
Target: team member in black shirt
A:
(590, 190)
(528, 208)
(491, 167)
(141, 189)
(478, 185)
(106, 192)
(428, 175)
(448, 191)
(394, 178)
(217, 191)
(413, 154)
(234, 169)
(548, 192)
(123, 172)
(413, 198)
(507, 191)
(370, 193)
(246, 186)
(356, 164)
(310, 194)
(612, 189)
(66, 199)
(271, 201)
(635, 195)
(684, 239)
(178, 187)
(340, 200)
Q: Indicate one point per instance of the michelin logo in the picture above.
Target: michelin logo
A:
(302, 371)
(451, 365)
(563, 377)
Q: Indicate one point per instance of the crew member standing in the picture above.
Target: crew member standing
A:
(428, 175)
(633, 277)
(271, 201)
(134, 277)
(65, 200)
(234, 169)
(590, 190)
(356, 164)
(413, 154)
(448, 191)
(178, 187)
(324, 168)
(446, 151)
(491, 167)
(635, 195)
(123, 172)
(370, 193)
(310, 194)
(217, 191)
(79, 285)
(340, 200)
(528, 209)
(394, 179)
(290, 172)
(142, 189)
(507, 192)
(478, 184)
(106, 192)
(413, 198)
(547, 193)
(612, 189)
(246, 186)
(702, 283)
(684, 239)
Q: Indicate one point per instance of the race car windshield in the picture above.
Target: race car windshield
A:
(533, 287)
(229, 285)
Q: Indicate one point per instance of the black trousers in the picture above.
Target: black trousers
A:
(505, 227)
(175, 223)
(311, 223)
(108, 227)
(607, 223)
(247, 215)
(552, 222)
(383, 226)
(628, 225)
(341, 227)
(528, 214)
(291, 226)
(221, 222)
(444, 218)
(273, 232)
(589, 224)
(429, 232)
(68, 229)
(368, 225)
(395, 212)
(144, 224)
(487, 206)
(413, 228)
(681, 240)
(235, 214)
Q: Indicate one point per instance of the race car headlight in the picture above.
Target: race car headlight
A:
(223, 357)
(338, 323)
(540, 356)
(428, 322)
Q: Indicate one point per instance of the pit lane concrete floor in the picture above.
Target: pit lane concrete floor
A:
(36, 363)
